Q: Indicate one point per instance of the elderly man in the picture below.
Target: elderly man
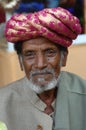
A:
(47, 98)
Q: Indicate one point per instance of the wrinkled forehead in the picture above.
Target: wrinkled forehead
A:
(39, 42)
(36, 42)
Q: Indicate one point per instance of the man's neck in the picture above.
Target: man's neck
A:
(48, 96)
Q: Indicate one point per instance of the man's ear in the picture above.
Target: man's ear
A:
(64, 58)
(20, 62)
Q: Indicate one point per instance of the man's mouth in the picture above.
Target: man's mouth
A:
(41, 74)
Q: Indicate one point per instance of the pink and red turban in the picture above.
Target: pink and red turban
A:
(56, 24)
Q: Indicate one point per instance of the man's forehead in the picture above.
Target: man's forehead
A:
(39, 41)
(38, 44)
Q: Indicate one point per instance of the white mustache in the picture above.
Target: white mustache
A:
(44, 71)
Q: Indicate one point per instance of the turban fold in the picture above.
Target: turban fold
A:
(56, 24)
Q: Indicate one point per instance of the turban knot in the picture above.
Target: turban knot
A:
(56, 24)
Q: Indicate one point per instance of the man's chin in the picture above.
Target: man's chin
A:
(42, 87)
(41, 82)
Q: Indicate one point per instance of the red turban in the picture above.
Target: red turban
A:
(56, 24)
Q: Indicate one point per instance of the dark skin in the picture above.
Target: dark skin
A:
(40, 53)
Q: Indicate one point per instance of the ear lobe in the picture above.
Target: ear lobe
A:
(20, 62)
(64, 59)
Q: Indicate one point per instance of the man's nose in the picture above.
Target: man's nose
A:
(41, 62)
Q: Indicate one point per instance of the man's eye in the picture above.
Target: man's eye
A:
(50, 52)
(30, 55)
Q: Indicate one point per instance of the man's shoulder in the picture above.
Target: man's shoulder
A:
(74, 82)
(14, 86)
(72, 76)
(17, 82)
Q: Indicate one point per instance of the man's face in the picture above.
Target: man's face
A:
(41, 60)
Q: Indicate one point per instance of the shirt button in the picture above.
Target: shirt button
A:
(39, 127)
